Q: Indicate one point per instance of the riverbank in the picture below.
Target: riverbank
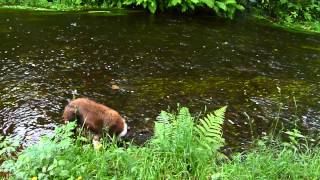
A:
(180, 148)
(305, 27)
(301, 26)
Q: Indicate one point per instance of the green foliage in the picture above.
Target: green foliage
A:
(210, 130)
(193, 146)
(273, 162)
(294, 14)
(297, 141)
(173, 131)
(55, 4)
(183, 147)
(180, 148)
(151, 5)
(41, 159)
(224, 8)
(292, 10)
(272, 158)
(8, 146)
(36, 3)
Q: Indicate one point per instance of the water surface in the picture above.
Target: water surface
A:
(260, 72)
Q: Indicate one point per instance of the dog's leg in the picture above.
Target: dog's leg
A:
(96, 142)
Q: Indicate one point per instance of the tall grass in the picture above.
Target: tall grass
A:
(183, 147)
(271, 162)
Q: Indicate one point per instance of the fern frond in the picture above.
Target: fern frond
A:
(163, 130)
(163, 124)
(210, 129)
(173, 131)
(164, 117)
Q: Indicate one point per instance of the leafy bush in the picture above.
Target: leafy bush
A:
(292, 10)
(36, 3)
(225, 8)
(41, 159)
(8, 147)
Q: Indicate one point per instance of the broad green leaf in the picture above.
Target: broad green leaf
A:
(174, 2)
(216, 9)
(283, 1)
(221, 6)
(239, 7)
(138, 2)
(209, 3)
(152, 7)
(195, 1)
(230, 2)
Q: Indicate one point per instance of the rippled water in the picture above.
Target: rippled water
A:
(157, 61)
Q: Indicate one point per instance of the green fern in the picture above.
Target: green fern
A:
(178, 132)
(173, 131)
(162, 128)
(210, 130)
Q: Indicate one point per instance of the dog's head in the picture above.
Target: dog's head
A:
(117, 125)
(125, 129)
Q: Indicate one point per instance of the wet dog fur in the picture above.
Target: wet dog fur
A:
(95, 117)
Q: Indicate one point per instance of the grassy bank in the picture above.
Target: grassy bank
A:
(274, 163)
(183, 147)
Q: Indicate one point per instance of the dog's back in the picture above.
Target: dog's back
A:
(95, 116)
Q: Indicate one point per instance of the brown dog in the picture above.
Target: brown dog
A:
(95, 117)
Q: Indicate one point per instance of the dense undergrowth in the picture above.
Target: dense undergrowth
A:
(298, 14)
(183, 147)
(224, 8)
(295, 14)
